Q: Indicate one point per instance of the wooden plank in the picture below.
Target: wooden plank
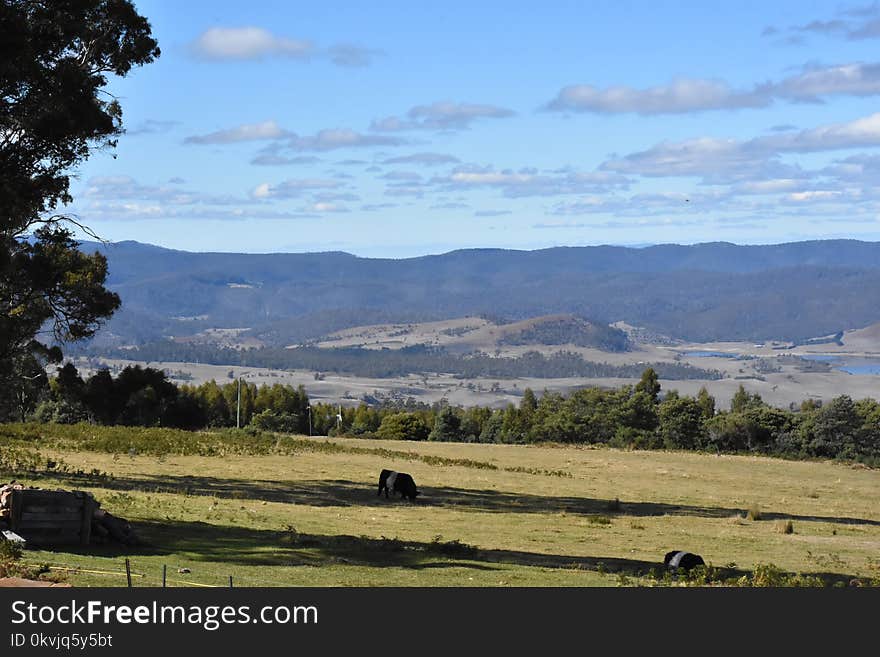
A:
(88, 510)
(52, 508)
(60, 517)
(51, 534)
(45, 531)
(75, 524)
(16, 501)
(37, 496)
(60, 539)
(46, 506)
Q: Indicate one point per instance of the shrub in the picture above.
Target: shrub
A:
(18, 460)
(784, 527)
(10, 551)
(766, 575)
(403, 426)
(754, 512)
(60, 412)
(269, 420)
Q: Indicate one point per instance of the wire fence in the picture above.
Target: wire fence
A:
(137, 576)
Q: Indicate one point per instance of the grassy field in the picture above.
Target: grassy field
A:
(272, 511)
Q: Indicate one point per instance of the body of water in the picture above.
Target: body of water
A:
(863, 366)
(709, 354)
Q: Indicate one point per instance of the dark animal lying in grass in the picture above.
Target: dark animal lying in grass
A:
(679, 560)
(397, 482)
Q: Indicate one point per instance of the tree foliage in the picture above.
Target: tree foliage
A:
(55, 58)
(621, 417)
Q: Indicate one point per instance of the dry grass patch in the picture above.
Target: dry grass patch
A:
(785, 527)
(227, 512)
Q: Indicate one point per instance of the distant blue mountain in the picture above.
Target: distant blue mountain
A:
(709, 291)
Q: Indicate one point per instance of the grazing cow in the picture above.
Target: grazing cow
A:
(397, 482)
(680, 560)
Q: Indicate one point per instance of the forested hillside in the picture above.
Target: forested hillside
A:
(703, 292)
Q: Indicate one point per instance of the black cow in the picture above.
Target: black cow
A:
(680, 560)
(397, 482)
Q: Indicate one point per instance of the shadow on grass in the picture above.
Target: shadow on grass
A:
(204, 542)
(200, 541)
(342, 493)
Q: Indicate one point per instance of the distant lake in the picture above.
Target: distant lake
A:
(862, 367)
(850, 366)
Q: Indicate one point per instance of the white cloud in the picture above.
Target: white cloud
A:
(660, 204)
(353, 56)
(815, 195)
(772, 186)
(450, 205)
(126, 187)
(403, 189)
(292, 188)
(704, 156)
(403, 176)
(441, 115)
(730, 160)
(848, 79)
(271, 158)
(326, 207)
(332, 197)
(859, 133)
(116, 211)
(261, 191)
(246, 132)
(860, 170)
(373, 207)
(326, 140)
(427, 159)
(700, 95)
(491, 178)
(249, 43)
(492, 213)
(255, 43)
(680, 96)
(151, 127)
(527, 182)
(854, 24)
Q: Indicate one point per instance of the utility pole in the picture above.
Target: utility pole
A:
(310, 419)
(238, 407)
(238, 403)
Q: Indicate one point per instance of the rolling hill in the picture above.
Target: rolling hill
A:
(704, 292)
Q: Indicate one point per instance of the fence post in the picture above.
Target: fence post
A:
(164, 570)
(128, 572)
(230, 581)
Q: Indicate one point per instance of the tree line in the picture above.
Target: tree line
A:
(638, 416)
(143, 396)
(631, 416)
(388, 363)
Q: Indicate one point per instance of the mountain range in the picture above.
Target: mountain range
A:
(702, 292)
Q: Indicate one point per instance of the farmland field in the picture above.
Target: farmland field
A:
(285, 511)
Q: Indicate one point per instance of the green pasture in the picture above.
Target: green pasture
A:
(292, 511)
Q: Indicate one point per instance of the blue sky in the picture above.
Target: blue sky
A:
(395, 129)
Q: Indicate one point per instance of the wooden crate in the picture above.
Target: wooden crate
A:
(49, 517)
